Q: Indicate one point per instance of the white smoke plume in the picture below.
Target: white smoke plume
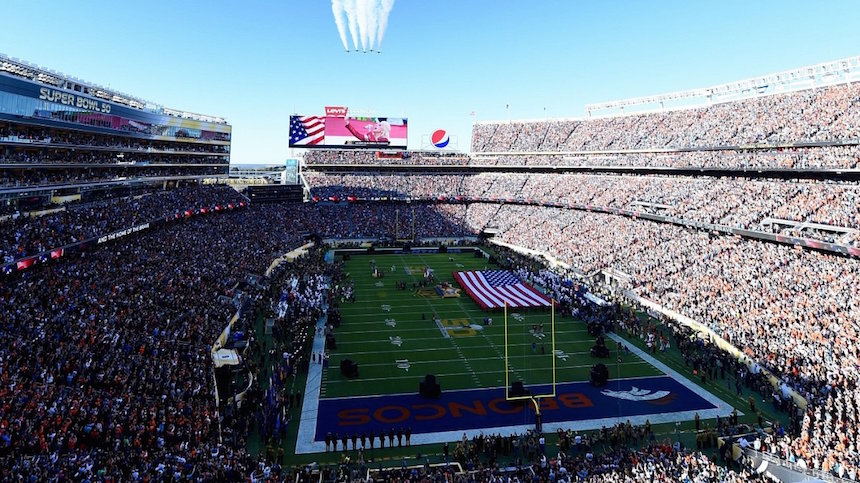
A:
(372, 23)
(366, 20)
(364, 13)
(385, 7)
(350, 11)
(339, 19)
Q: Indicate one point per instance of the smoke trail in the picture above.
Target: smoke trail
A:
(338, 12)
(372, 22)
(366, 20)
(351, 12)
(385, 7)
(363, 16)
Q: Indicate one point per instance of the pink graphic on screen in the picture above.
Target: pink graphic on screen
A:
(392, 131)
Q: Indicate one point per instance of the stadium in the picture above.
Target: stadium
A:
(664, 289)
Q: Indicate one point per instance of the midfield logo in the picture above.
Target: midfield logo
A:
(458, 328)
(427, 293)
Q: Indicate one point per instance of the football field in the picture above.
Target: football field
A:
(397, 336)
(393, 336)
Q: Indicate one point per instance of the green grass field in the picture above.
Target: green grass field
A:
(392, 335)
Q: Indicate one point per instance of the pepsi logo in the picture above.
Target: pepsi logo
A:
(439, 138)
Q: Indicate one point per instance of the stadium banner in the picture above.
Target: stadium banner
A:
(492, 289)
(348, 132)
(61, 106)
(122, 233)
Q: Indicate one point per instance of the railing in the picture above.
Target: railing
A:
(12, 190)
(792, 467)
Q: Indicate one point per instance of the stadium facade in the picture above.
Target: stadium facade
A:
(61, 136)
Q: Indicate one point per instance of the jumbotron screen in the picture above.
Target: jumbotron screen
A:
(347, 132)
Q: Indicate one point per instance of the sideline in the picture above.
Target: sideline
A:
(310, 405)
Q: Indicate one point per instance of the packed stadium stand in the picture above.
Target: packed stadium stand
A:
(121, 267)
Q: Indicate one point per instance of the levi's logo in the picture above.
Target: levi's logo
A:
(335, 111)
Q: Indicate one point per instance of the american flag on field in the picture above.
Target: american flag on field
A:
(307, 130)
(491, 289)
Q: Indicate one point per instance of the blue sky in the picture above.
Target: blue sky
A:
(256, 62)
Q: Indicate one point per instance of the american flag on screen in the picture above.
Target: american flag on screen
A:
(492, 288)
(307, 130)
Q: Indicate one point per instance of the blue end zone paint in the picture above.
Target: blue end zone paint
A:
(487, 408)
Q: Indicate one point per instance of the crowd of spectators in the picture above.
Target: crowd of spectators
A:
(41, 156)
(792, 311)
(390, 220)
(316, 157)
(657, 461)
(105, 357)
(23, 176)
(22, 236)
(784, 158)
(293, 297)
(77, 157)
(817, 157)
(733, 202)
(731, 135)
(27, 134)
(813, 115)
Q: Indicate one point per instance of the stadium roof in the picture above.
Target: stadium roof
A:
(824, 74)
(819, 75)
(21, 68)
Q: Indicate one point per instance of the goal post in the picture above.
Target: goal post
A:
(532, 397)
